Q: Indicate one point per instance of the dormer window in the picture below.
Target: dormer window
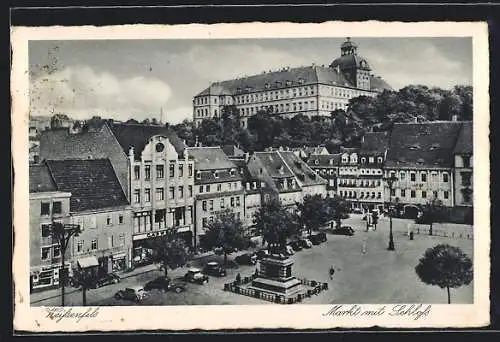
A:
(281, 169)
(288, 83)
(267, 86)
(301, 81)
(254, 185)
(232, 172)
(434, 147)
(316, 162)
(216, 174)
(414, 147)
(248, 186)
(379, 160)
(363, 160)
(293, 184)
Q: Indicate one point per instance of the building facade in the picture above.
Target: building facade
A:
(463, 175)
(47, 205)
(217, 187)
(99, 206)
(309, 90)
(327, 167)
(348, 184)
(420, 156)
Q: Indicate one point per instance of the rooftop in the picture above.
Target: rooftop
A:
(40, 179)
(210, 158)
(374, 142)
(464, 142)
(301, 170)
(92, 183)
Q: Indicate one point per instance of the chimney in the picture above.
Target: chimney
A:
(131, 152)
(415, 119)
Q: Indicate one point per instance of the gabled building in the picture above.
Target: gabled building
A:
(155, 174)
(464, 169)
(99, 206)
(308, 180)
(48, 204)
(218, 186)
(348, 186)
(327, 167)
(420, 156)
(371, 159)
(270, 168)
(233, 151)
(310, 90)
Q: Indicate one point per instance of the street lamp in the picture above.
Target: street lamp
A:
(62, 233)
(390, 182)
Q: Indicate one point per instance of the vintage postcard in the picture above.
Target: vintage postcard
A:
(254, 175)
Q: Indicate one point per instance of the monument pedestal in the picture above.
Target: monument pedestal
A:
(275, 277)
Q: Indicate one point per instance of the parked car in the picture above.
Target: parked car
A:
(262, 254)
(306, 243)
(110, 278)
(315, 239)
(357, 211)
(296, 246)
(229, 250)
(195, 275)
(344, 230)
(135, 293)
(165, 284)
(246, 259)
(214, 269)
(322, 236)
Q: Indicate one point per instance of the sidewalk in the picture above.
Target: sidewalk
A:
(54, 293)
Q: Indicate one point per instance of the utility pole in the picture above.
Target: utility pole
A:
(390, 182)
(62, 233)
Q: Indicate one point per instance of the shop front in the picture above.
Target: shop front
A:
(47, 276)
(119, 262)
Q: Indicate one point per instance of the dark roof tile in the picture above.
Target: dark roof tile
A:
(464, 141)
(40, 179)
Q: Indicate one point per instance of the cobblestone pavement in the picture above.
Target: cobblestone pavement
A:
(373, 277)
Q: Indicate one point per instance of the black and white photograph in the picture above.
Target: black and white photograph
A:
(341, 172)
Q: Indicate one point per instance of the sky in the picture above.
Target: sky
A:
(124, 79)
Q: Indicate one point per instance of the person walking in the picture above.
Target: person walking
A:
(363, 250)
(332, 272)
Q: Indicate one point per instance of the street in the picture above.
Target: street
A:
(366, 272)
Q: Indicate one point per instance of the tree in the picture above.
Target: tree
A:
(57, 120)
(225, 232)
(337, 209)
(170, 251)
(132, 121)
(433, 212)
(275, 224)
(313, 212)
(445, 266)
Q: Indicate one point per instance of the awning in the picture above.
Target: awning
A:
(183, 230)
(88, 262)
(118, 255)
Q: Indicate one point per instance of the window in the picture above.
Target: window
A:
(201, 189)
(371, 160)
(403, 193)
(160, 194)
(171, 170)
(232, 201)
(137, 172)
(216, 174)
(238, 215)
(147, 195)
(423, 177)
(46, 231)
(93, 245)
(121, 239)
(204, 205)
(393, 192)
(219, 187)
(45, 208)
(190, 191)
(424, 194)
(238, 201)
(120, 219)
(79, 246)
(56, 208)
(211, 205)
(137, 196)
(402, 175)
(466, 178)
(181, 171)
(45, 253)
(57, 251)
(204, 222)
(207, 188)
(171, 191)
(222, 205)
(147, 172)
(445, 177)
(466, 161)
(412, 177)
(110, 241)
(412, 193)
(190, 170)
(363, 160)
(109, 221)
(181, 191)
(198, 175)
(159, 171)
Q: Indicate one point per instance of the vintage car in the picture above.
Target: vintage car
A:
(165, 284)
(110, 278)
(195, 275)
(344, 230)
(246, 259)
(296, 246)
(135, 293)
(305, 243)
(214, 269)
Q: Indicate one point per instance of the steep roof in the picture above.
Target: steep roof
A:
(324, 160)
(273, 164)
(60, 144)
(242, 169)
(377, 83)
(210, 158)
(138, 135)
(374, 142)
(40, 179)
(422, 145)
(301, 170)
(92, 183)
(464, 141)
(298, 76)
